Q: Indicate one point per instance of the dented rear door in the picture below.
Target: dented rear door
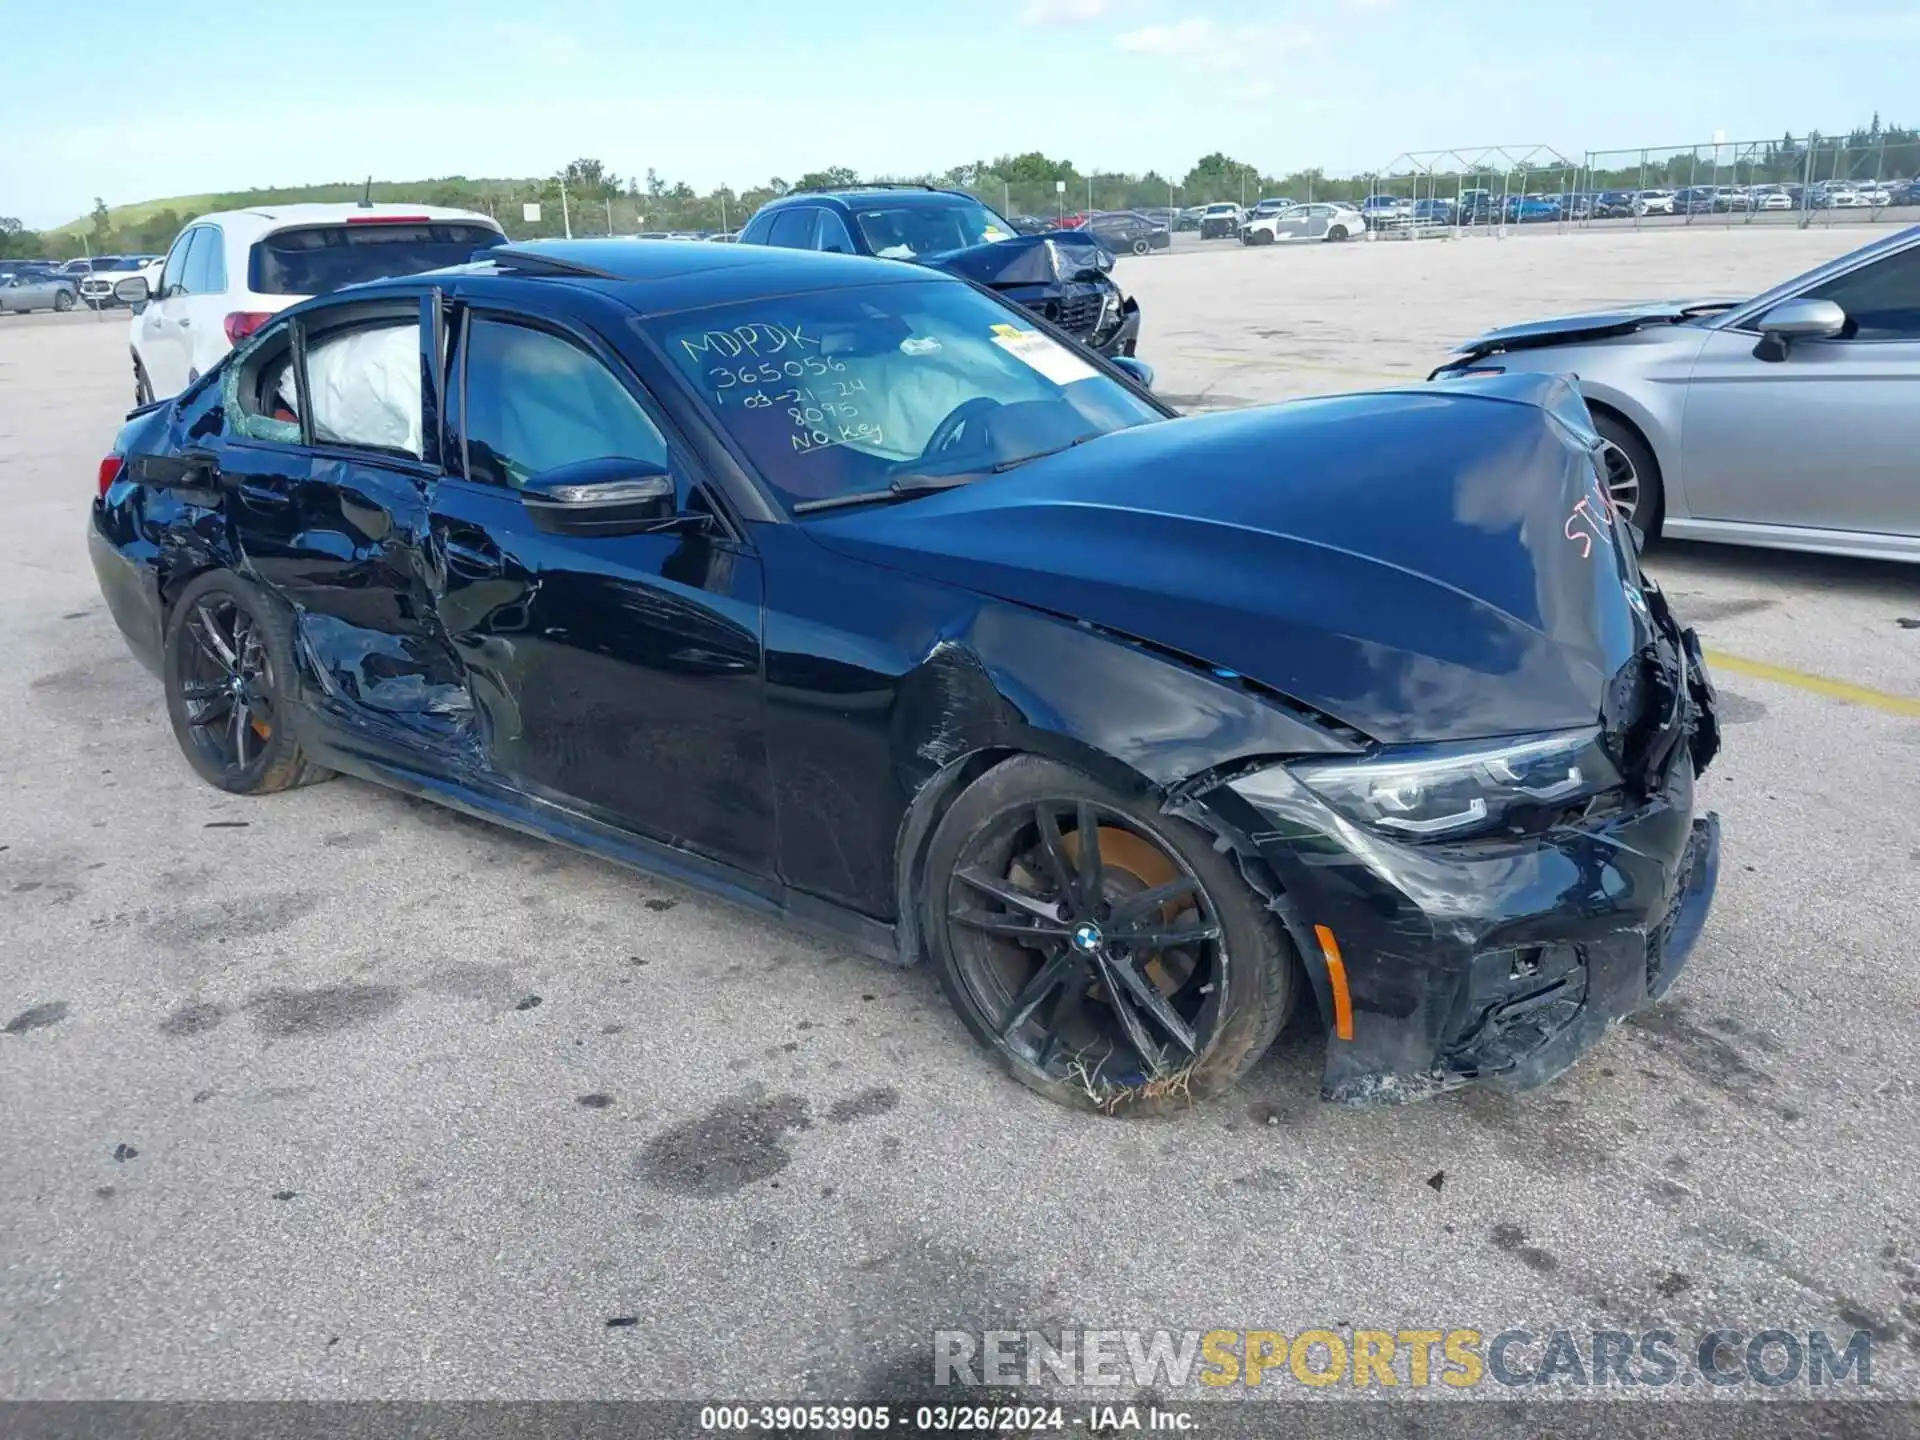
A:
(336, 530)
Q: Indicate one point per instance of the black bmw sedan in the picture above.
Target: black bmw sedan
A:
(850, 591)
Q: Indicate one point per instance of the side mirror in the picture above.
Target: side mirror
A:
(1139, 371)
(133, 290)
(609, 496)
(1792, 320)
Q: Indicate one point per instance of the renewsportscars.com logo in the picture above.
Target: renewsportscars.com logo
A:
(1384, 1359)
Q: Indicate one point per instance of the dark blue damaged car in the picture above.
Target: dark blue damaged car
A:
(855, 593)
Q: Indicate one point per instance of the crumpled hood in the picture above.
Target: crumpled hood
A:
(1417, 564)
(1595, 326)
(1022, 260)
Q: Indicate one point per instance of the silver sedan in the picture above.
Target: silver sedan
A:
(21, 293)
(1784, 420)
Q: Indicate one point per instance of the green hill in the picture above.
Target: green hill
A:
(451, 190)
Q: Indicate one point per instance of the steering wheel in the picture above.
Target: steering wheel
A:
(948, 430)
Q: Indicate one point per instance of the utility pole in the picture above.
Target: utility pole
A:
(566, 220)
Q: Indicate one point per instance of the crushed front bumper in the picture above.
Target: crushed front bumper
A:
(1123, 334)
(1440, 965)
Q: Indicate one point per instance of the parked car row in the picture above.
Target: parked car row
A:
(1475, 207)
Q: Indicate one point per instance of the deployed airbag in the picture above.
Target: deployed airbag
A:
(365, 387)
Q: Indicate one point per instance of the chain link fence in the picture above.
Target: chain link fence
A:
(1811, 182)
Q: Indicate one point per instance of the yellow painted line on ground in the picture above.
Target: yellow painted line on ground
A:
(1815, 684)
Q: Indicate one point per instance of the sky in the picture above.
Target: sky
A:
(735, 91)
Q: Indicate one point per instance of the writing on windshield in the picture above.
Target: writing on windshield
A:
(772, 365)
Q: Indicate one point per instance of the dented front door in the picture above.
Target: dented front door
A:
(337, 535)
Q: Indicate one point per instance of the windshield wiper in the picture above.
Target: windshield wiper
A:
(1002, 466)
(903, 487)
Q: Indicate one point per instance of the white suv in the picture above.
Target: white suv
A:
(228, 274)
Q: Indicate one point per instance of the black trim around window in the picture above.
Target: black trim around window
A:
(679, 447)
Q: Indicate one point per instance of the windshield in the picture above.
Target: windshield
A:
(320, 258)
(905, 231)
(842, 391)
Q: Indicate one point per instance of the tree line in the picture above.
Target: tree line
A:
(587, 197)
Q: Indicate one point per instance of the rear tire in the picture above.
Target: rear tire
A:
(1337, 233)
(1142, 247)
(228, 669)
(63, 302)
(1223, 972)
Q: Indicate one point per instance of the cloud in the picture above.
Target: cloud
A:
(1064, 12)
(1202, 44)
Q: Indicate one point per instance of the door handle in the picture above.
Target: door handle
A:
(184, 323)
(261, 497)
(471, 562)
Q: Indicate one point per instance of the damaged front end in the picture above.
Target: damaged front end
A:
(1064, 279)
(1501, 956)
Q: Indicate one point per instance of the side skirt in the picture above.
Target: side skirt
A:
(547, 821)
(1854, 544)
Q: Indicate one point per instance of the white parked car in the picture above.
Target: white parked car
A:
(1332, 221)
(1772, 200)
(1653, 202)
(1875, 194)
(227, 274)
(96, 285)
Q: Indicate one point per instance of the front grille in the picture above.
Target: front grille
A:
(95, 287)
(1075, 314)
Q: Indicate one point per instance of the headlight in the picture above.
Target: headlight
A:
(1433, 792)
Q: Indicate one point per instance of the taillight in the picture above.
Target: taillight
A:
(110, 471)
(242, 323)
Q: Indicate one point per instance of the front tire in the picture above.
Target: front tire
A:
(142, 387)
(229, 671)
(1632, 473)
(1108, 954)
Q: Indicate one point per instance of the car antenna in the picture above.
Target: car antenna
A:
(366, 196)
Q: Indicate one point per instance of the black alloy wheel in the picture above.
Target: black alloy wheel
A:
(226, 651)
(1109, 955)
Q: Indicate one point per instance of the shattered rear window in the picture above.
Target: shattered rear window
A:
(317, 259)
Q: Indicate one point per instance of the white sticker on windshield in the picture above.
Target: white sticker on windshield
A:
(919, 345)
(1043, 353)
